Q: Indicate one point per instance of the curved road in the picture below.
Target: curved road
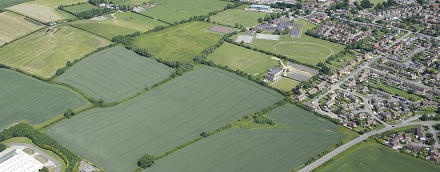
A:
(344, 147)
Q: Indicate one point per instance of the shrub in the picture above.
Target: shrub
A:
(2, 147)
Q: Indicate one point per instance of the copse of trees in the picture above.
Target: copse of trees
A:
(93, 13)
(2, 147)
(146, 161)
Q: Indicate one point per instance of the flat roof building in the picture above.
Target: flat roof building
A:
(259, 7)
(18, 161)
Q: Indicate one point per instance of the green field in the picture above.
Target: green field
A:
(43, 52)
(131, 3)
(80, 8)
(301, 136)
(244, 17)
(44, 10)
(16, 27)
(114, 74)
(7, 3)
(177, 10)
(161, 119)
(375, 157)
(285, 84)
(398, 92)
(124, 24)
(239, 58)
(28, 99)
(305, 49)
(179, 43)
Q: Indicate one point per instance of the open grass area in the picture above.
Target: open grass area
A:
(31, 100)
(161, 119)
(239, 58)
(131, 3)
(80, 8)
(114, 74)
(179, 43)
(44, 10)
(244, 17)
(398, 92)
(285, 84)
(177, 10)
(14, 26)
(300, 136)
(7, 3)
(371, 156)
(44, 52)
(124, 24)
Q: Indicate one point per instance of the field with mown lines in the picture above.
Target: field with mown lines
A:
(25, 98)
(44, 10)
(80, 8)
(44, 52)
(301, 135)
(7, 3)
(114, 74)
(202, 100)
(16, 27)
(244, 17)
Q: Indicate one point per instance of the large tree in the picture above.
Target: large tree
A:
(146, 161)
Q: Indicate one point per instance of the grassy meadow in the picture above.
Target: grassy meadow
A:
(114, 74)
(44, 52)
(16, 27)
(80, 8)
(44, 10)
(244, 17)
(7, 3)
(285, 84)
(179, 43)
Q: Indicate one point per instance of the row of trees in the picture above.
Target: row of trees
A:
(93, 13)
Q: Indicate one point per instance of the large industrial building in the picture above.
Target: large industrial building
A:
(18, 161)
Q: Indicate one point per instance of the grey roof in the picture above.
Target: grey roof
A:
(275, 70)
(294, 32)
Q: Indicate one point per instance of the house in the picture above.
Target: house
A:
(310, 106)
(321, 85)
(421, 133)
(344, 123)
(407, 136)
(312, 91)
(274, 74)
(394, 142)
(301, 97)
(330, 103)
(352, 125)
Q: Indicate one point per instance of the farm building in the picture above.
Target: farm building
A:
(274, 74)
(260, 8)
(17, 160)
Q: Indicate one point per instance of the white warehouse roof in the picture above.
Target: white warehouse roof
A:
(19, 161)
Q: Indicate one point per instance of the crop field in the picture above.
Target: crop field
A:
(161, 119)
(239, 58)
(124, 24)
(301, 136)
(25, 98)
(177, 10)
(44, 10)
(244, 17)
(16, 27)
(80, 8)
(7, 3)
(114, 74)
(179, 43)
(285, 84)
(375, 157)
(44, 52)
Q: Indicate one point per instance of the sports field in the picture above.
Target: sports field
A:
(25, 98)
(239, 58)
(114, 74)
(44, 52)
(44, 10)
(124, 24)
(80, 8)
(375, 157)
(285, 84)
(7, 3)
(155, 122)
(16, 27)
(179, 43)
(177, 10)
(301, 136)
(305, 49)
(244, 17)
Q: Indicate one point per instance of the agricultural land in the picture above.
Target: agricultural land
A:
(17, 27)
(161, 119)
(26, 99)
(44, 10)
(80, 8)
(7, 3)
(176, 10)
(180, 43)
(239, 58)
(114, 74)
(119, 24)
(300, 135)
(233, 16)
(44, 52)
(131, 3)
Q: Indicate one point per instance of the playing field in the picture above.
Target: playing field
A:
(124, 24)
(43, 52)
(7, 3)
(114, 74)
(285, 84)
(44, 10)
(16, 27)
(80, 8)
(177, 10)
(305, 49)
(239, 58)
(244, 17)
(301, 137)
(179, 43)
(375, 157)
(201, 100)
(25, 98)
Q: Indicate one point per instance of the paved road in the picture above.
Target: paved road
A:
(434, 133)
(36, 149)
(361, 138)
(398, 40)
